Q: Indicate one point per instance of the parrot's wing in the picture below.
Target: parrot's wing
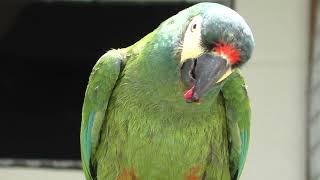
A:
(238, 121)
(102, 81)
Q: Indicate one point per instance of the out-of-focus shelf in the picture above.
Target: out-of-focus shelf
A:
(41, 163)
(40, 174)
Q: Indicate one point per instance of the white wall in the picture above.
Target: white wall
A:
(276, 77)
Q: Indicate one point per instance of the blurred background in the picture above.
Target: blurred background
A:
(48, 48)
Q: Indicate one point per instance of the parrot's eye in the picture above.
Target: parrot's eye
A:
(193, 27)
(194, 24)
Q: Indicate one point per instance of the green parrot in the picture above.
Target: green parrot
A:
(173, 105)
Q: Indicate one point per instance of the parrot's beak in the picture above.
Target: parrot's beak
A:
(202, 73)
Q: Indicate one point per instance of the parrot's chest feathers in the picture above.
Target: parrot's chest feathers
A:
(153, 127)
(159, 135)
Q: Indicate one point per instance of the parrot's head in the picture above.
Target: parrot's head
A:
(215, 40)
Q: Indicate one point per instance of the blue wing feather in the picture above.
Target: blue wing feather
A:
(243, 150)
(88, 135)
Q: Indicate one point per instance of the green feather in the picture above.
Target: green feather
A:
(101, 83)
(238, 116)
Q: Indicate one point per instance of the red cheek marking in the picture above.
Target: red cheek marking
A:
(188, 94)
(193, 174)
(128, 175)
(232, 54)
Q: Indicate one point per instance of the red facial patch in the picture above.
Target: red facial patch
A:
(231, 53)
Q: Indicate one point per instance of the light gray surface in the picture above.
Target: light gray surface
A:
(276, 79)
(39, 174)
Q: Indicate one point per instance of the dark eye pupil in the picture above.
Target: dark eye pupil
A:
(194, 26)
